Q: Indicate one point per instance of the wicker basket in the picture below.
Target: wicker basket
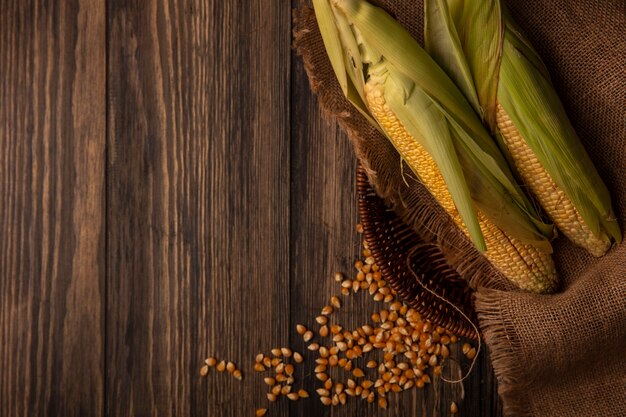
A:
(392, 242)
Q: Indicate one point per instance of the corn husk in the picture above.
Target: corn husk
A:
(360, 38)
(479, 37)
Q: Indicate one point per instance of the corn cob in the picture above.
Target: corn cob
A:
(402, 91)
(567, 173)
(505, 81)
(551, 197)
(527, 267)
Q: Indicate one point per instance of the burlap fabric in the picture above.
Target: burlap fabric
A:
(554, 355)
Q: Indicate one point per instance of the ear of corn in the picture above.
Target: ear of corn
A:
(582, 207)
(433, 127)
(526, 114)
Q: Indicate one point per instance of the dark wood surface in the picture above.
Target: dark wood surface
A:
(168, 191)
(52, 208)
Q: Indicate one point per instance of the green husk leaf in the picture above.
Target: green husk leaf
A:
(501, 203)
(354, 97)
(476, 39)
(332, 42)
(353, 63)
(515, 35)
(425, 122)
(344, 55)
(442, 42)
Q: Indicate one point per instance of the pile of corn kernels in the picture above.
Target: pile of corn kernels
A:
(398, 351)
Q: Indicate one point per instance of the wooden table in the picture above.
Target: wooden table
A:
(169, 190)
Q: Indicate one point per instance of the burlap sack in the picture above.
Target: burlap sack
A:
(556, 355)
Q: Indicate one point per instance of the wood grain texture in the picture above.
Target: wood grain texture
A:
(198, 198)
(170, 191)
(52, 139)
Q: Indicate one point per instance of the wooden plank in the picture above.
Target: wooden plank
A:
(323, 221)
(198, 195)
(52, 141)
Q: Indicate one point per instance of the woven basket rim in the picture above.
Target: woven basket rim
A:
(388, 237)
